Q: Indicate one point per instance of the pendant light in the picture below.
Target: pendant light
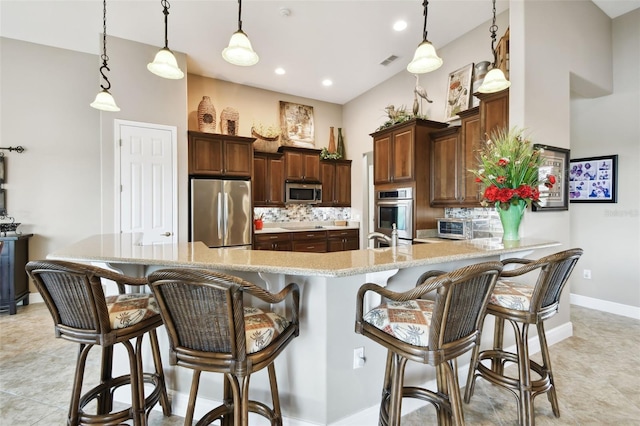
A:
(104, 101)
(165, 64)
(425, 59)
(239, 51)
(494, 81)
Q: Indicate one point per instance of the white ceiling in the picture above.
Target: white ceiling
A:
(344, 41)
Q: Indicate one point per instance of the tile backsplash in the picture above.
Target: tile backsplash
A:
(302, 213)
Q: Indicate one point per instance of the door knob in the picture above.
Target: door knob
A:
(166, 234)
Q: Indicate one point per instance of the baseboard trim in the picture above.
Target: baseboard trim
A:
(606, 306)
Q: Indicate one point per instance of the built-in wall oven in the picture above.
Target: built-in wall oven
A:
(395, 206)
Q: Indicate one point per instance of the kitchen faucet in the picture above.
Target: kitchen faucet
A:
(391, 240)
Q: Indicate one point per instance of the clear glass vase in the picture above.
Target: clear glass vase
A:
(510, 219)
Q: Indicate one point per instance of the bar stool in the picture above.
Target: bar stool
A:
(211, 329)
(433, 332)
(82, 314)
(523, 305)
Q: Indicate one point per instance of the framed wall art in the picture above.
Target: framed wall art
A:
(593, 179)
(297, 125)
(458, 92)
(556, 163)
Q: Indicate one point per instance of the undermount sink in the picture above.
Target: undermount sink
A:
(302, 228)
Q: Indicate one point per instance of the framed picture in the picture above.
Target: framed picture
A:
(458, 92)
(297, 125)
(556, 163)
(594, 179)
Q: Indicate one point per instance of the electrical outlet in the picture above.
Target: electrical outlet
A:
(586, 274)
(358, 358)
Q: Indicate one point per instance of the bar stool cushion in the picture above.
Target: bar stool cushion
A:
(262, 327)
(126, 310)
(512, 295)
(407, 321)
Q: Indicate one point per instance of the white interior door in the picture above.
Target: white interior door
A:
(146, 157)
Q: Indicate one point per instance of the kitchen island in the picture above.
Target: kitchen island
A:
(316, 378)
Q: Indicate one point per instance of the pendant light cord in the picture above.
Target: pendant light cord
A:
(240, 15)
(425, 3)
(165, 10)
(104, 56)
(494, 28)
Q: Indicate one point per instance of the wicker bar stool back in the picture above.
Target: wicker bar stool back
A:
(433, 332)
(82, 314)
(211, 329)
(523, 305)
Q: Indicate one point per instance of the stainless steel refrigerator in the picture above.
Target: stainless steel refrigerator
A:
(221, 212)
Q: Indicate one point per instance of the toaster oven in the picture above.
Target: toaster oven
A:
(461, 228)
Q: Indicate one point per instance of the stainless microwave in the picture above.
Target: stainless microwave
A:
(303, 193)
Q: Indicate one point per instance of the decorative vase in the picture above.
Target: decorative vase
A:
(340, 143)
(510, 219)
(206, 116)
(332, 142)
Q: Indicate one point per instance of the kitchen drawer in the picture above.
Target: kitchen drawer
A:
(309, 235)
(313, 246)
(272, 237)
(343, 233)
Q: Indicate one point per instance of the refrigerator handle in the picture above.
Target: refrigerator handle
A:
(219, 214)
(227, 212)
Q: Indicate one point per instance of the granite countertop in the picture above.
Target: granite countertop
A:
(276, 227)
(126, 249)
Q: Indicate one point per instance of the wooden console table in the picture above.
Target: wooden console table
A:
(14, 284)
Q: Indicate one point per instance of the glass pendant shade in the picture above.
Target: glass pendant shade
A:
(165, 65)
(494, 81)
(239, 51)
(105, 102)
(425, 59)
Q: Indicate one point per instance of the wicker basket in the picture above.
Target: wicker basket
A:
(265, 143)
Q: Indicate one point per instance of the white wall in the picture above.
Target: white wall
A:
(53, 187)
(610, 233)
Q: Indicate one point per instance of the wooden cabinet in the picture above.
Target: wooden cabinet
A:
(268, 179)
(280, 241)
(301, 164)
(494, 112)
(401, 158)
(14, 284)
(453, 152)
(335, 176)
(310, 241)
(213, 154)
(341, 240)
(445, 167)
(397, 148)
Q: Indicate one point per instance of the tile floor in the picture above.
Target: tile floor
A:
(597, 374)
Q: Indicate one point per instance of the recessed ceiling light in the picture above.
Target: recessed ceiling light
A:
(327, 82)
(400, 25)
(280, 71)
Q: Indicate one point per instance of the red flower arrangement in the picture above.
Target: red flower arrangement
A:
(509, 170)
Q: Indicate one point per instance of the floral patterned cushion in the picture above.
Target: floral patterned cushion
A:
(261, 327)
(512, 295)
(129, 309)
(408, 321)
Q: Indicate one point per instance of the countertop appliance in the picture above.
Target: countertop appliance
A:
(462, 228)
(303, 193)
(220, 212)
(395, 206)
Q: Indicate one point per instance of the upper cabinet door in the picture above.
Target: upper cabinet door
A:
(301, 164)
(382, 159)
(212, 154)
(403, 158)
